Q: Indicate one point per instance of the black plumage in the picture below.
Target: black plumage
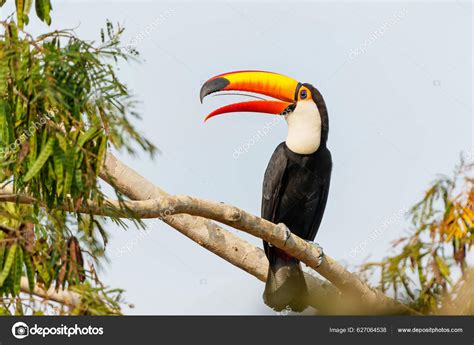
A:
(295, 191)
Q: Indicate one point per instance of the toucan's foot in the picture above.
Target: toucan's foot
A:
(321, 255)
(287, 231)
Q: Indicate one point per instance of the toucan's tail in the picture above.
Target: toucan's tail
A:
(285, 286)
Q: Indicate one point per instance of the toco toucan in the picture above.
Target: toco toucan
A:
(296, 182)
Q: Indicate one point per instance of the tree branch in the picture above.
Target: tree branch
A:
(177, 211)
(221, 242)
(211, 236)
(226, 245)
(61, 296)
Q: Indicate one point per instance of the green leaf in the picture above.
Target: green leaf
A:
(8, 284)
(18, 271)
(33, 148)
(41, 160)
(62, 142)
(2, 249)
(20, 7)
(443, 268)
(30, 271)
(70, 164)
(43, 7)
(13, 33)
(85, 137)
(27, 8)
(78, 178)
(8, 263)
(100, 153)
(44, 274)
(6, 127)
(58, 160)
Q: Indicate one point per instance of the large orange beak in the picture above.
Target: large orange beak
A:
(270, 84)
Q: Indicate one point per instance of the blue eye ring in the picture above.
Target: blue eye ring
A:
(303, 94)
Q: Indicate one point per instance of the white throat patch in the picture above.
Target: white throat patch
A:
(304, 128)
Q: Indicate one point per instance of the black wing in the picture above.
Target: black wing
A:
(320, 207)
(273, 183)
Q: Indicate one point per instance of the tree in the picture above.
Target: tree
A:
(61, 108)
(422, 272)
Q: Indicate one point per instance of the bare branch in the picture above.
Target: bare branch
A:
(211, 236)
(204, 233)
(224, 244)
(61, 296)
(178, 211)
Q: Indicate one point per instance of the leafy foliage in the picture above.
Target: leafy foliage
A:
(23, 7)
(423, 271)
(61, 107)
(45, 254)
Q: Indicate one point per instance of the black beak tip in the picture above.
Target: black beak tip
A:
(212, 86)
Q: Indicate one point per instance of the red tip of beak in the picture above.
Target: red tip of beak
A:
(268, 107)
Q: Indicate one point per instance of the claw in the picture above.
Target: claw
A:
(287, 231)
(321, 255)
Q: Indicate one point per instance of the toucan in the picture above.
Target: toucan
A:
(297, 178)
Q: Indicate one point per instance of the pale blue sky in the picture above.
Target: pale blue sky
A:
(400, 112)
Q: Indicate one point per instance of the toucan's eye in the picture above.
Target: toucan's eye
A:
(303, 94)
